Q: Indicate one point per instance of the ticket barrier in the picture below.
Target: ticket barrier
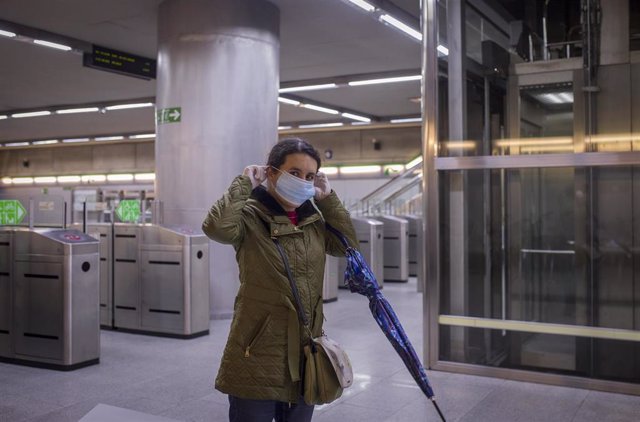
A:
(104, 233)
(333, 271)
(49, 313)
(161, 280)
(369, 233)
(416, 248)
(396, 248)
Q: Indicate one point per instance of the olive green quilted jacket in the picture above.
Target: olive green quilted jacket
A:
(263, 356)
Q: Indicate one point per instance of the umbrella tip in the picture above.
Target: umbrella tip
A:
(433, 400)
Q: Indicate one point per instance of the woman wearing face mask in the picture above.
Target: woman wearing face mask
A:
(261, 368)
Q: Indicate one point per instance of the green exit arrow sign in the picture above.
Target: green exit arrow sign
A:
(128, 210)
(169, 115)
(11, 212)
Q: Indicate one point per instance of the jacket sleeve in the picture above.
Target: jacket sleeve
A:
(225, 223)
(338, 217)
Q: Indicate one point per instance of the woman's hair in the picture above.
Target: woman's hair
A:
(287, 146)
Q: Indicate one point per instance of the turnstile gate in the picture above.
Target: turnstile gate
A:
(53, 283)
(396, 253)
(161, 280)
(333, 271)
(416, 248)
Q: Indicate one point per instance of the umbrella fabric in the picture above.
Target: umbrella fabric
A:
(360, 279)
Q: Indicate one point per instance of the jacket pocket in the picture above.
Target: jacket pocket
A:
(257, 336)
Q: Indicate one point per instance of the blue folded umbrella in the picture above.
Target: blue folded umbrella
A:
(360, 279)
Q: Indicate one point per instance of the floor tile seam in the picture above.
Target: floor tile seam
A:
(491, 390)
(584, 399)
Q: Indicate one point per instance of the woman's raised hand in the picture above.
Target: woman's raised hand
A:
(323, 188)
(256, 173)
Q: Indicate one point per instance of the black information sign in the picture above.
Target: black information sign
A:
(119, 62)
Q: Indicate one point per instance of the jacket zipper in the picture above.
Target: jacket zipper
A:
(247, 351)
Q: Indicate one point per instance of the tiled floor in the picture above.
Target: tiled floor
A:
(174, 378)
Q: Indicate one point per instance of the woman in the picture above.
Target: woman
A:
(261, 368)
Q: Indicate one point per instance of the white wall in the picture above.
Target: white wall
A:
(351, 190)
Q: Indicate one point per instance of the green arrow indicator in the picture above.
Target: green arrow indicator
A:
(128, 210)
(169, 115)
(11, 212)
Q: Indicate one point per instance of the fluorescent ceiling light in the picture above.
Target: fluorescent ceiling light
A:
(75, 140)
(284, 127)
(555, 98)
(68, 179)
(307, 88)
(444, 50)
(401, 26)
(363, 5)
(3, 116)
(6, 180)
(94, 178)
(414, 162)
(45, 142)
(386, 80)
(288, 101)
(320, 125)
(48, 179)
(321, 109)
(329, 171)
(22, 180)
(459, 145)
(356, 117)
(108, 138)
(119, 177)
(360, 169)
(17, 144)
(622, 137)
(407, 120)
(30, 114)
(7, 33)
(143, 136)
(519, 142)
(78, 110)
(360, 123)
(127, 106)
(53, 45)
(145, 176)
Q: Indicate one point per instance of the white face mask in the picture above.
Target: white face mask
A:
(293, 189)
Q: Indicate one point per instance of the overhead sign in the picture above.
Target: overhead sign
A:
(128, 210)
(169, 115)
(11, 212)
(104, 58)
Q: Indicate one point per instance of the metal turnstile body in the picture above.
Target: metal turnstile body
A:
(126, 285)
(6, 293)
(174, 280)
(161, 280)
(103, 232)
(333, 271)
(396, 248)
(370, 233)
(54, 285)
(416, 248)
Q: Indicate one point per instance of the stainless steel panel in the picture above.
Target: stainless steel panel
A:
(126, 288)
(416, 245)
(83, 280)
(331, 278)
(5, 295)
(396, 239)
(198, 274)
(162, 291)
(38, 310)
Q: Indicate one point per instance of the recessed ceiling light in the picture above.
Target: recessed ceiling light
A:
(7, 33)
(363, 5)
(320, 125)
(407, 120)
(307, 88)
(321, 109)
(78, 110)
(52, 45)
(386, 80)
(127, 106)
(356, 117)
(401, 26)
(30, 114)
(288, 101)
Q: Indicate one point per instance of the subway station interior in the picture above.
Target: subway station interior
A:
(485, 150)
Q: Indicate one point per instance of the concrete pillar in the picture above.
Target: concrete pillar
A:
(218, 60)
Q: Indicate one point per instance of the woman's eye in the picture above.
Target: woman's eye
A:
(294, 173)
(310, 178)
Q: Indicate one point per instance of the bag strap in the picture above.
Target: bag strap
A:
(340, 236)
(294, 288)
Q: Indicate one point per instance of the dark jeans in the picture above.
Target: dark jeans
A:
(245, 410)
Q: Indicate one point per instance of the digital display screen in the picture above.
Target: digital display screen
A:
(120, 62)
